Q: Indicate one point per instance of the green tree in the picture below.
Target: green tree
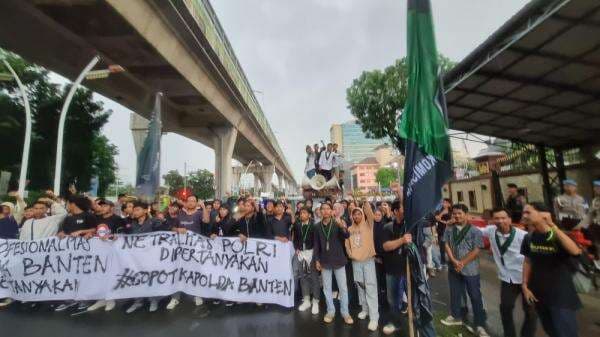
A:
(86, 153)
(174, 181)
(385, 176)
(202, 184)
(376, 98)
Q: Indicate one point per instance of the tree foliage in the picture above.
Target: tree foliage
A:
(376, 98)
(385, 176)
(200, 182)
(86, 152)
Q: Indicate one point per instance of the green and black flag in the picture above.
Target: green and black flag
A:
(148, 162)
(424, 126)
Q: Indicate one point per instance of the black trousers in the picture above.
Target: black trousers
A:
(508, 296)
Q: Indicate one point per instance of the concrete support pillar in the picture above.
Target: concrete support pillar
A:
(237, 177)
(139, 130)
(279, 182)
(256, 183)
(225, 138)
(266, 178)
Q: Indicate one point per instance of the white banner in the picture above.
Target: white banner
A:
(147, 265)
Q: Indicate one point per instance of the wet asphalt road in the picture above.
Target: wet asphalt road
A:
(248, 320)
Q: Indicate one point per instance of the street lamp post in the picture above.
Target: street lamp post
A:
(27, 142)
(86, 73)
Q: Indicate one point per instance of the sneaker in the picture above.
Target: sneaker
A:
(334, 295)
(65, 306)
(348, 320)
(481, 332)
(198, 301)
(6, 302)
(153, 305)
(82, 306)
(363, 315)
(135, 306)
(172, 304)
(328, 318)
(110, 305)
(99, 304)
(451, 321)
(229, 304)
(372, 325)
(432, 272)
(305, 305)
(404, 308)
(389, 329)
(315, 307)
(216, 302)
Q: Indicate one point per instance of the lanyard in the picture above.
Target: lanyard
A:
(305, 233)
(328, 234)
(504, 247)
(32, 221)
(459, 236)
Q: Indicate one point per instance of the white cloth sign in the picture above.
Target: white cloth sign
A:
(147, 265)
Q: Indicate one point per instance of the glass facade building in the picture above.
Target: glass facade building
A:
(353, 143)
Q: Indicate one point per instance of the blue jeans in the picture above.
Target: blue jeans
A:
(557, 322)
(340, 279)
(365, 279)
(396, 287)
(458, 284)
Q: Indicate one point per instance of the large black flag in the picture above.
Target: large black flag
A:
(424, 126)
(148, 162)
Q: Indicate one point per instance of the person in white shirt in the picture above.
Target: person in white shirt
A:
(310, 169)
(505, 242)
(326, 162)
(42, 225)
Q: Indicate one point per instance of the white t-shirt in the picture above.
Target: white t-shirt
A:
(310, 162)
(512, 269)
(326, 160)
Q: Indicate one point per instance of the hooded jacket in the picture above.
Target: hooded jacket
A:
(360, 245)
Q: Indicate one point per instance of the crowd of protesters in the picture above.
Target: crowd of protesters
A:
(359, 244)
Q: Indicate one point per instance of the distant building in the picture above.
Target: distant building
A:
(363, 175)
(353, 143)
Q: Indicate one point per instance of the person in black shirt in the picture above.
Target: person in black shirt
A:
(442, 219)
(115, 223)
(515, 202)
(378, 227)
(279, 225)
(223, 224)
(171, 221)
(393, 239)
(330, 259)
(79, 222)
(303, 237)
(548, 274)
(252, 221)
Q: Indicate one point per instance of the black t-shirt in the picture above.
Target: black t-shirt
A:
(77, 222)
(114, 222)
(279, 227)
(394, 262)
(551, 278)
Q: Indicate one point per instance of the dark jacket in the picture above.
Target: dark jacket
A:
(223, 227)
(335, 257)
(253, 227)
(303, 238)
(9, 228)
(149, 225)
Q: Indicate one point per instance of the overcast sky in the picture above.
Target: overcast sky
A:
(302, 55)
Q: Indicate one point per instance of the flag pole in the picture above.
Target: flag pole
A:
(411, 322)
